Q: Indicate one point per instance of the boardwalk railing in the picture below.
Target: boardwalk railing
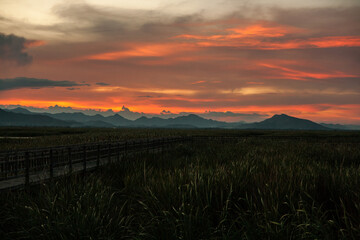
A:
(22, 167)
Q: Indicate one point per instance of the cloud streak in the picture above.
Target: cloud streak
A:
(268, 36)
(24, 82)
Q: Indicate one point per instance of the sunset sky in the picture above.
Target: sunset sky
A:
(231, 57)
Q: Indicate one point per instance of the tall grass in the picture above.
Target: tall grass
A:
(253, 188)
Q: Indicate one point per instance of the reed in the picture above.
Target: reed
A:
(253, 188)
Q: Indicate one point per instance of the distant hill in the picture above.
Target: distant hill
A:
(115, 120)
(149, 122)
(33, 120)
(190, 121)
(197, 121)
(23, 117)
(284, 121)
(341, 127)
(20, 110)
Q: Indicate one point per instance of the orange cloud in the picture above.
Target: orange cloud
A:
(252, 43)
(198, 82)
(263, 29)
(256, 83)
(173, 59)
(268, 36)
(34, 43)
(301, 75)
(260, 90)
(338, 41)
(145, 90)
(143, 50)
(322, 42)
(198, 37)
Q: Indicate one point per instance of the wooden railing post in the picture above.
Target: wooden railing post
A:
(126, 148)
(62, 157)
(16, 164)
(162, 148)
(118, 152)
(109, 153)
(84, 158)
(147, 147)
(27, 169)
(98, 156)
(70, 160)
(6, 167)
(51, 164)
(43, 162)
(35, 161)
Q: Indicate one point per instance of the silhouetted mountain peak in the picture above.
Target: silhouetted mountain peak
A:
(280, 116)
(78, 114)
(142, 118)
(20, 110)
(116, 116)
(117, 120)
(283, 121)
(194, 116)
(191, 117)
(24, 117)
(21, 119)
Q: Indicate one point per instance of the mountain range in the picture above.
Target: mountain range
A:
(24, 117)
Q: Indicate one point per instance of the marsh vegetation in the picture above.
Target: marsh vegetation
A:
(289, 185)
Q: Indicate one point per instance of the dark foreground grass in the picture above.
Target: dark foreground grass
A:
(253, 188)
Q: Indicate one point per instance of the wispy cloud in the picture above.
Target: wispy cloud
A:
(269, 36)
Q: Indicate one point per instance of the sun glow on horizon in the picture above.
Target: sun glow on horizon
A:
(161, 57)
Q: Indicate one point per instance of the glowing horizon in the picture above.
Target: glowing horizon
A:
(297, 58)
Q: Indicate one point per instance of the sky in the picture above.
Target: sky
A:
(229, 60)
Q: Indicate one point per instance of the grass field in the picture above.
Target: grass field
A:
(267, 185)
(12, 138)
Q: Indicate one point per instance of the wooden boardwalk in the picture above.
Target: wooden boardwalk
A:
(38, 177)
(22, 168)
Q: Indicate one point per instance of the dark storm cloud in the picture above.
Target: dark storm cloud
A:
(102, 84)
(24, 82)
(12, 48)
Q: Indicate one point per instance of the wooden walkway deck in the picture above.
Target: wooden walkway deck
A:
(39, 177)
(19, 169)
